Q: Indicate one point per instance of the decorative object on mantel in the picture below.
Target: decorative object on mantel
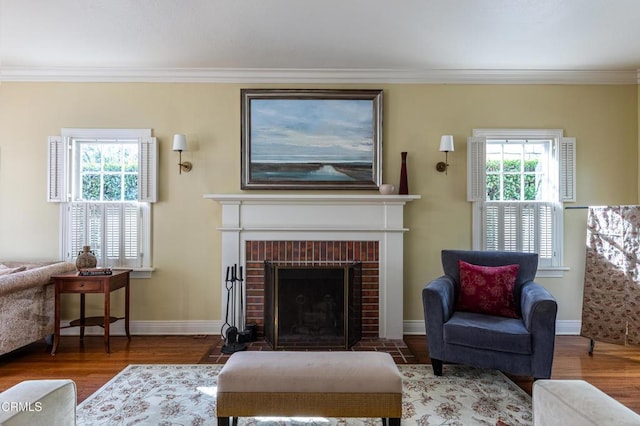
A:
(311, 139)
(404, 184)
(387, 189)
(179, 145)
(86, 258)
(446, 146)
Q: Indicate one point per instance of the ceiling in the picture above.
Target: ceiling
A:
(367, 40)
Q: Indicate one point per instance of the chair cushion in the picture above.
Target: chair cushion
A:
(487, 289)
(301, 371)
(487, 332)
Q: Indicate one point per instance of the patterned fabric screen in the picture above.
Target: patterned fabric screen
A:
(611, 302)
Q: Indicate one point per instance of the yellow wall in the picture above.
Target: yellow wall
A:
(185, 286)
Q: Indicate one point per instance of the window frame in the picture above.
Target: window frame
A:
(562, 174)
(62, 171)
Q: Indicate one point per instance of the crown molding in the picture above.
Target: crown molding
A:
(317, 76)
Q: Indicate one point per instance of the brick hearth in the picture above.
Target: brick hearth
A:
(313, 253)
(398, 349)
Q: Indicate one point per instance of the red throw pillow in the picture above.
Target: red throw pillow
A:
(487, 289)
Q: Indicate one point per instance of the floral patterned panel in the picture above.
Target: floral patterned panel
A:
(611, 300)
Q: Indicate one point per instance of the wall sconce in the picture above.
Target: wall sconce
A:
(180, 144)
(446, 145)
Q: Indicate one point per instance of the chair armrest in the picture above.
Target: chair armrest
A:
(438, 297)
(539, 310)
(440, 293)
(39, 402)
(539, 307)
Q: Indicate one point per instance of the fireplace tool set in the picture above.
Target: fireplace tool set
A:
(235, 341)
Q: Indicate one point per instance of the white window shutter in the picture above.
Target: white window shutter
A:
(148, 170)
(492, 230)
(130, 218)
(546, 223)
(95, 230)
(57, 176)
(567, 160)
(77, 229)
(476, 168)
(112, 237)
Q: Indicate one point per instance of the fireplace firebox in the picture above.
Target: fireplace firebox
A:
(313, 307)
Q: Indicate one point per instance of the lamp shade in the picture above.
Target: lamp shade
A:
(446, 143)
(179, 142)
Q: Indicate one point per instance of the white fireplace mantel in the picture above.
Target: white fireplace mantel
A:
(251, 217)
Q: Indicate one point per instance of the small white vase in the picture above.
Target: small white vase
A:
(386, 189)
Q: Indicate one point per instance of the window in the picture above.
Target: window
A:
(518, 180)
(105, 181)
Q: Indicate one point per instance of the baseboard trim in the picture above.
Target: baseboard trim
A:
(568, 327)
(563, 327)
(140, 328)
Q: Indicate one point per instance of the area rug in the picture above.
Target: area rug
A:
(185, 395)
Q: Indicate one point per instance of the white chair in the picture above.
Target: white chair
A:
(39, 403)
(577, 403)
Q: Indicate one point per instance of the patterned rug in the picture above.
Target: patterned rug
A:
(185, 395)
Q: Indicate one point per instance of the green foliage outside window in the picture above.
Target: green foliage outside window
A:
(109, 172)
(511, 180)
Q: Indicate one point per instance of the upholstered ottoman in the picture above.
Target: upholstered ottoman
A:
(326, 384)
(577, 403)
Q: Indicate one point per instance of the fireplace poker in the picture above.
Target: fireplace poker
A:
(226, 324)
(248, 333)
(231, 341)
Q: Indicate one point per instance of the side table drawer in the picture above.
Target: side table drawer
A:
(80, 285)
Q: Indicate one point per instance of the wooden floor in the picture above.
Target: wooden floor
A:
(614, 369)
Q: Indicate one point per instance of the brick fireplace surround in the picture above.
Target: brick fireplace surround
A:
(318, 228)
(312, 253)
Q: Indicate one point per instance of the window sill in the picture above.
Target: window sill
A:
(141, 273)
(552, 272)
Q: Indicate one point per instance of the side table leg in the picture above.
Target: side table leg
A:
(107, 322)
(82, 295)
(56, 319)
(126, 309)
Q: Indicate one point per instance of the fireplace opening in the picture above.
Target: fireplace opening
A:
(313, 307)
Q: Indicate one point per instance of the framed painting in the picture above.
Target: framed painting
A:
(311, 139)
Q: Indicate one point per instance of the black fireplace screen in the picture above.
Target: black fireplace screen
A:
(313, 306)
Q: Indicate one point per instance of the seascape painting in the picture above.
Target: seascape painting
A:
(311, 139)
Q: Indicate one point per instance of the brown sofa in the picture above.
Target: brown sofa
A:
(27, 301)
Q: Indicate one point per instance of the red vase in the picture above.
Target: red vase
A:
(404, 186)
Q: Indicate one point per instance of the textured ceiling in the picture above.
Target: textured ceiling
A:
(408, 35)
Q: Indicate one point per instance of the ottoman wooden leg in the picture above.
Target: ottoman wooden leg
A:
(394, 421)
(223, 421)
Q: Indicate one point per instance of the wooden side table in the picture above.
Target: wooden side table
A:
(73, 283)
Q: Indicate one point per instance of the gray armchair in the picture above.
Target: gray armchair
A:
(521, 346)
